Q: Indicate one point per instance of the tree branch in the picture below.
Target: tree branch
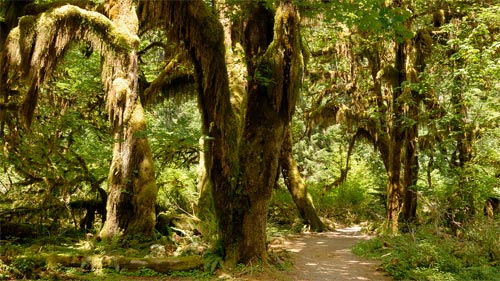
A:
(38, 43)
(151, 46)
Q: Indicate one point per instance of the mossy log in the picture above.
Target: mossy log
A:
(162, 265)
(20, 230)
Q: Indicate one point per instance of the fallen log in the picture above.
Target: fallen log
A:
(162, 265)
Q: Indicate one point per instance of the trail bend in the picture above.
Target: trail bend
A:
(328, 256)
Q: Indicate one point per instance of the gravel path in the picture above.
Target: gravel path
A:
(328, 256)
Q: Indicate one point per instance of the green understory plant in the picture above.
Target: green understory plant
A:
(427, 254)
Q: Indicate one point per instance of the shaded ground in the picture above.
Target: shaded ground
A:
(327, 256)
(315, 256)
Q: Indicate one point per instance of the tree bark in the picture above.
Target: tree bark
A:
(297, 187)
(272, 94)
(402, 195)
(131, 181)
(13, 11)
(243, 144)
(130, 208)
(411, 168)
(194, 23)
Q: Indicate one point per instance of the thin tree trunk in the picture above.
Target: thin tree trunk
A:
(462, 207)
(205, 209)
(410, 175)
(297, 187)
(131, 181)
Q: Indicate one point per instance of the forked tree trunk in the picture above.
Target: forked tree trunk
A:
(242, 162)
(194, 23)
(397, 129)
(297, 187)
(131, 181)
(243, 166)
(403, 159)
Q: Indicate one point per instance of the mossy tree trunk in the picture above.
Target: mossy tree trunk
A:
(131, 182)
(417, 51)
(194, 23)
(400, 174)
(410, 173)
(402, 147)
(39, 42)
(272, 94)
(244, 129)
(13, 11)
(297, 187)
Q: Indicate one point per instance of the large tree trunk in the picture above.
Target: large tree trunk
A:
(272, 94)
(297, 187)
(194, 23)
(417, 51)
(402, 195)
(131, 181)
(242, 161)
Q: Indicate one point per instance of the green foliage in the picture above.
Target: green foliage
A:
(28, 267)
(177, 190)
(283, 214)
(192, 274)
(143, 272)
(213, 260)
(67, 151)
(430, 255)
(213, 257)
(321, 159)
(174, 132)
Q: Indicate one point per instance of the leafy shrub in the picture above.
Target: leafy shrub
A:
(213, 258)
(430, 255)
(28, 267)
(348, 203)
(282, 209)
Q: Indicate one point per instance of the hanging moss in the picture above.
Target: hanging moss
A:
(39, 43)
(284, 57)
(36, 46)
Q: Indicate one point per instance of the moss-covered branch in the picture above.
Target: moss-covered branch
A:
(162, 265)
(37, 44)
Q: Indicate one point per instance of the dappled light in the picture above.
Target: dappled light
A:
(249, 140)
(327, 256)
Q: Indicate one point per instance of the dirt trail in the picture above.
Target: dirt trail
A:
(327, 256)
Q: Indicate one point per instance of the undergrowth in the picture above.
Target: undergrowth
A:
(430, 254)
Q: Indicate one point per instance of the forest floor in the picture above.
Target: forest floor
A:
(305, 257)
(328, 256)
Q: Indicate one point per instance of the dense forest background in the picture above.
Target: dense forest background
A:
(206, 127)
